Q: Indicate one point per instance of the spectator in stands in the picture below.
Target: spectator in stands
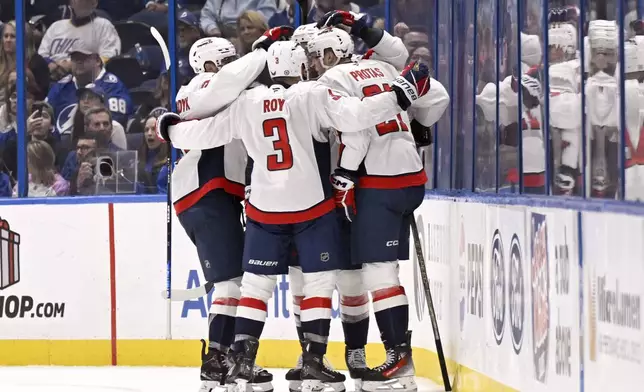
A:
(321, 7)
(220, 17)
(285, 14)
(250, 26)
(35, 63)
(87, 68)
(44, 181)
(189, 32)
(81, 177)
(153, 155)
(98, 126)
(5, 182)
(8, 108)
(84, 26)
(90, 97)
(40, 127)
(415, 38)
(421, 54)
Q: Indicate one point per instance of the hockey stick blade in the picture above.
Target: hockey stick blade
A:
(430, 304)
(164, 47)
(179, 295)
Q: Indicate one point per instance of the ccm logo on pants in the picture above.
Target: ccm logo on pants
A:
(392, 243)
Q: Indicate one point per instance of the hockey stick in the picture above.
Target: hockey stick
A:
(169, 294)
(430, 304)
(168, 211)
(179, 295)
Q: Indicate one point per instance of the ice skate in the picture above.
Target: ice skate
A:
(294, 377)
(213, 369)
(396, 374)
(356, 360)
(317, 376)
(244, 374)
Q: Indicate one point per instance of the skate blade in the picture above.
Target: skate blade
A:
(395, 384)
(319, 386)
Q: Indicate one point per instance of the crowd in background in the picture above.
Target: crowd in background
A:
(96, 81)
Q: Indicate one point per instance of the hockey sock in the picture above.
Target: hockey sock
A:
(316, 322)
(221, 331)
(221, 320)
(297, 301)
(256, 290)
(392, 314)
(355, 320)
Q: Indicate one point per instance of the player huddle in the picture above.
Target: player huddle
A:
(322, 146)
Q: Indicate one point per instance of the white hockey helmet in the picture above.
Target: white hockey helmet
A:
(602, 34)
(212, 49)
(563, 36)
(303, 34)
(337, 40)
(286, 59)
(530, 49)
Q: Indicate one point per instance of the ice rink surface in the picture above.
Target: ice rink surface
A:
(124, 379)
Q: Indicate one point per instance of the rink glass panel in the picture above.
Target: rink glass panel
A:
(477, 142)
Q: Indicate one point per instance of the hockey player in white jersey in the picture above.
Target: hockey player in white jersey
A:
(207, 190)
(384, 160)
(565, 102)
(602, 100)
(354, 300)
(291, 200)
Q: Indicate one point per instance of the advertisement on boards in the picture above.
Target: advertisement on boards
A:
(506, 291)
(433, 222)
(553, 304)
(613, 290)
(141, 269)
(469, 304)
(54, 272)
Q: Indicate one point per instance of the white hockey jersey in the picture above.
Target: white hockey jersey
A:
(385, 154)
(212, 92)
(280, 129)
(199, 172)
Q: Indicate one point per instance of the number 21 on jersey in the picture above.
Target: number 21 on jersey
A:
(275, 128)
(395, 125)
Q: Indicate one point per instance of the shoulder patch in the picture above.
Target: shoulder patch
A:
(110, 78)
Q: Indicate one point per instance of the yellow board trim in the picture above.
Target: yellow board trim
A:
(272, 354)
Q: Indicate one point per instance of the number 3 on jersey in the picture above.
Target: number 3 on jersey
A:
(396, 125)
(276, 129)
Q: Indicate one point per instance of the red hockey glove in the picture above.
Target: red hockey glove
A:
(344, 192)
(412, 84)
(164, 122)
(356, 22)
(281, 33)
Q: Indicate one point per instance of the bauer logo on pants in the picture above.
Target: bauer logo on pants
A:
(9, 256)
(540, 298)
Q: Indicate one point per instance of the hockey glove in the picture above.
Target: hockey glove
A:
(344, 192)
(422, 134)
(280, 33)
(357, 22)
(164, 122)
(412, 84)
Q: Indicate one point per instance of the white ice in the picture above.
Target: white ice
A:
(121, 378)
